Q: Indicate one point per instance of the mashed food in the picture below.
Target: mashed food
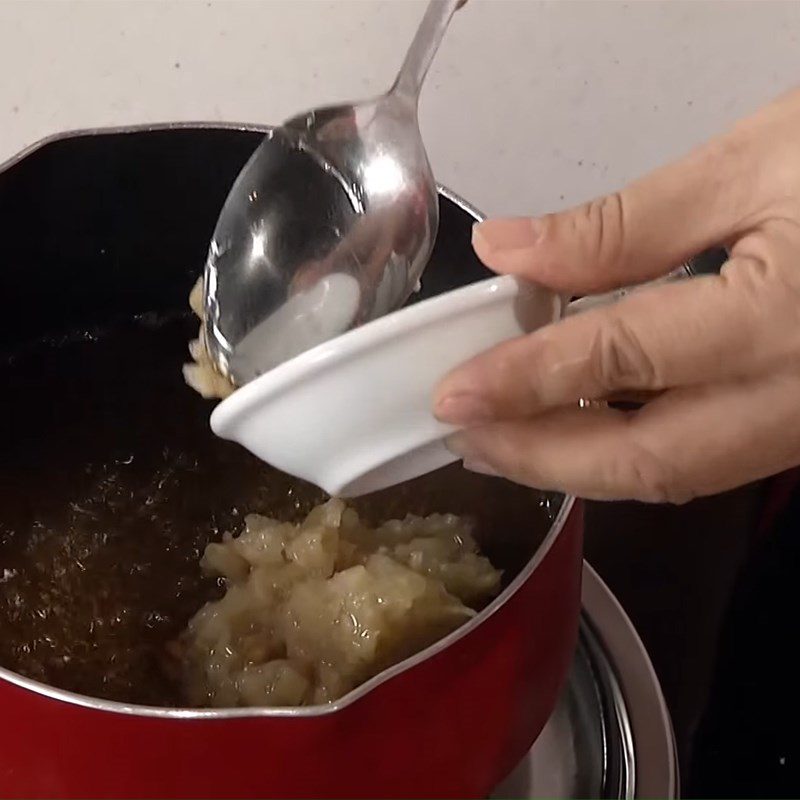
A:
(200, 375)
(312, 610)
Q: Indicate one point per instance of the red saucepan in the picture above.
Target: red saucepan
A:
(103, 234)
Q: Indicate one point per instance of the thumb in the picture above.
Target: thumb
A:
(634, 235)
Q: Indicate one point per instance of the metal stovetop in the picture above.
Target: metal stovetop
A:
(610, 735)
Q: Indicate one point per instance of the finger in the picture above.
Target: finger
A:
(688, 443)
(697, 331)
(641, 232)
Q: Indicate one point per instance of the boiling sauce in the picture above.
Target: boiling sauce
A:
(112, 484)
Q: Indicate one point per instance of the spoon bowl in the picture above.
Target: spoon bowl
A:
(329, 225)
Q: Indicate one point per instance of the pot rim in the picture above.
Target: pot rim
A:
(99, 704)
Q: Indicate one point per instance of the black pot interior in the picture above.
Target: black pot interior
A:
(111, 482)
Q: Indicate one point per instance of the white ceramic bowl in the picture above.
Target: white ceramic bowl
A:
(354, 415)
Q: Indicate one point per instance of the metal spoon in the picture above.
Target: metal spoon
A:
(330, 223)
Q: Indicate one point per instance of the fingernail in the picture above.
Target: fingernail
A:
(481, 468)
(494, 235)
(459, 446)
(463, 409)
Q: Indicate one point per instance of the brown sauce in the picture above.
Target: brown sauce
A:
(111, 485)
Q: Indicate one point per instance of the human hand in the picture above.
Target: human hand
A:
(722, 352)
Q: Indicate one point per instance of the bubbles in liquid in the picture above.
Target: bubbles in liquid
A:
(111, 486)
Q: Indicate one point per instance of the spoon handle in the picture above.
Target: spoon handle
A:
(426, 42)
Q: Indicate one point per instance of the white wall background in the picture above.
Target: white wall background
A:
(529, 106)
